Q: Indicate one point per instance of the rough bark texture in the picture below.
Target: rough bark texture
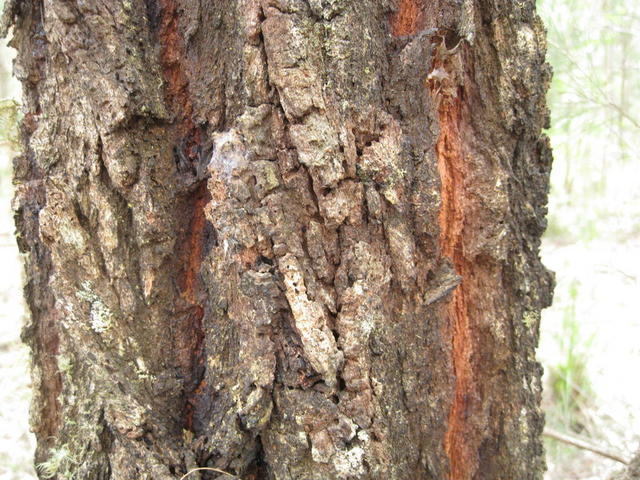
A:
(289, 239)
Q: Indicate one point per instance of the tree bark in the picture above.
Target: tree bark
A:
(288, 239)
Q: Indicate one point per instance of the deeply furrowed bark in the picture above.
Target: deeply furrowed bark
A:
(288, 239)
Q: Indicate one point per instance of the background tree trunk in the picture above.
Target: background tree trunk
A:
(290, 239)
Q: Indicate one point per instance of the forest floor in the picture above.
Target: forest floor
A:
(591, 334)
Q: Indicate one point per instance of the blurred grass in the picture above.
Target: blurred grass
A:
(594, 100)
(569, 385)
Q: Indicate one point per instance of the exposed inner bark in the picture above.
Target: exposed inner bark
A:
(451, 165)
(408, 19)
(177, 89)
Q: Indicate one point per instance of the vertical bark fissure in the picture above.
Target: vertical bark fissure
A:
(192, 340)
(47, 344)
(188, 143)
(450, 155)
(177, 85)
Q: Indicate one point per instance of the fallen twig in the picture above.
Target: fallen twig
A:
(577, 442)
(210, 469)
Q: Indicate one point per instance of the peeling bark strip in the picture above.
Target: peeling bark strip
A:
(282, 309)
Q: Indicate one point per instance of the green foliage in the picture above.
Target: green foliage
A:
(568, 379)
(595, 125)
(594, 101)
(58, 464)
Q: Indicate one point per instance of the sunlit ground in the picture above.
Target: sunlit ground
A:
(590, 343)
(604, 276)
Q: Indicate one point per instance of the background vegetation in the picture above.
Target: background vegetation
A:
(589, 343)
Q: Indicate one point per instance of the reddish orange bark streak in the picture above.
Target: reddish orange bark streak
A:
(451, 166)
(190, 345)
(408, 19)
(177, 84)
(195, 246)
(189, 342)
(459, 447)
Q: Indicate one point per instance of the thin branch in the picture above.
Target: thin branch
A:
(577, 442)
(605, 100)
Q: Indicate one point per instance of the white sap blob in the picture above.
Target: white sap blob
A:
(229, 154)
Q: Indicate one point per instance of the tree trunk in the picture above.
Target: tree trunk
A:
(287, 239)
